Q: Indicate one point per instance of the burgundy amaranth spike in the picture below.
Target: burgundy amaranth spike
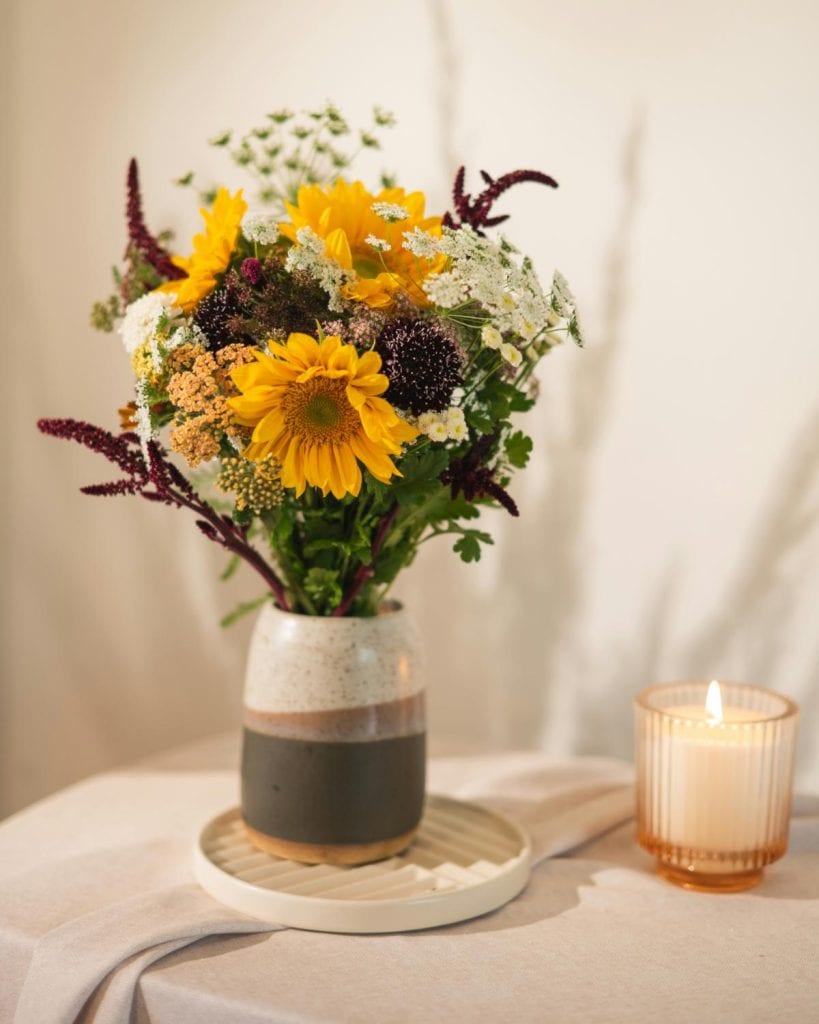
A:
(475, 212)
(138, 234)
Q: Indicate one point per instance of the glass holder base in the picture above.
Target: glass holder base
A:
(699, 881)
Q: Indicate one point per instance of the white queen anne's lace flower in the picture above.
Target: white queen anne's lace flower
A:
(562, 298)
(260, 227)
(446, 290)
(379, 244)
(421, 243)
(142, 318)
(501, 281)
(309, 255)
(390, 212)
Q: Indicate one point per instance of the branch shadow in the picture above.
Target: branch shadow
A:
(756, 610)
(557, 586)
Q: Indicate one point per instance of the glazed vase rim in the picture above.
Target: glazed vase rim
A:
(389, 609)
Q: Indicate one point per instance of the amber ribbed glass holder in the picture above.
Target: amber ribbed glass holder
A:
(714, 785)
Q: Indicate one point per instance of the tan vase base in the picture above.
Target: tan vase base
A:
(320, 853)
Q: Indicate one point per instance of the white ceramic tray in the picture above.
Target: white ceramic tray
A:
(465, 861)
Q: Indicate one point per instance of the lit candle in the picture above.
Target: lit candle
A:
(714, 781)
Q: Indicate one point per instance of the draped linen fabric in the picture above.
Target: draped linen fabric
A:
(104, 923)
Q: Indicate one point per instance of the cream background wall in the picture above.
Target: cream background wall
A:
(669, 523)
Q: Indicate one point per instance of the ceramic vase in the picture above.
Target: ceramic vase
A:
(334, 740)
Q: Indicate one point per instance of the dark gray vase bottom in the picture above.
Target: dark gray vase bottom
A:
(343, 803)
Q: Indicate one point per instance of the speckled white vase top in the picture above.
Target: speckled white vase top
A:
(312, 663)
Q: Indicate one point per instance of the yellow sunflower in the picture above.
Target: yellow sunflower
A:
(343, 216)
(315, 406)
(211, 251)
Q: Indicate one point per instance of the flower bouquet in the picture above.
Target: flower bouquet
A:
(326, 381)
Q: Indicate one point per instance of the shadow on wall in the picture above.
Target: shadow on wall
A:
(760, 603)
(503, 686)
(570, 455)
(758, 607)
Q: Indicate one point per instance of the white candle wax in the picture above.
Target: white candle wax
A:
(714, 783)
(719, 777)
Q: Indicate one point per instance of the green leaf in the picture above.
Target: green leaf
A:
(574, 330)
(424, 465)
(391, 561)
(468, 547)
(521, 402)
(483, 424)
(375, 487)
(231, 567)
(518, 449)
(411, 494)
(243, 609)
(419, 481)
(324, 544)
(457, 508)
(323, 586)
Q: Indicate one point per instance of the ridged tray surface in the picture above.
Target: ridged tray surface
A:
(465, 861)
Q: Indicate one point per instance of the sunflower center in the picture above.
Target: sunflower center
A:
(318, 410)
(322, 411)
(366, 266)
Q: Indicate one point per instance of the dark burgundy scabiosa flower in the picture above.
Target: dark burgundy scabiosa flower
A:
(423, 365)
(215, 315)
(471, 476)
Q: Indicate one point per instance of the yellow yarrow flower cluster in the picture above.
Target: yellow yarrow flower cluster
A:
(368, 245)
(212, 250)
(142, 362)
(255, 485)
(200, 390)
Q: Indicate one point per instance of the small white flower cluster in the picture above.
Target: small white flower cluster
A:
(310, 256)
(564, 308)
(260, 227)
(144, 427)
(421, 243)
(186, 334)
(447, 289)
(390, 212)
(504, 283)
(449, 425)
(492, 338)
(143, 317)
(379, 244)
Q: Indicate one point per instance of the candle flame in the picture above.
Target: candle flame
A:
(713, 704)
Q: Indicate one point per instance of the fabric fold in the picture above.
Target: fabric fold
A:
(70, 962)
(88, 967)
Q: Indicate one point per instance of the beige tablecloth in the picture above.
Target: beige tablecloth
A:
(100, 919)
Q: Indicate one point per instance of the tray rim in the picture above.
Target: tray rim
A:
(324, 914)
